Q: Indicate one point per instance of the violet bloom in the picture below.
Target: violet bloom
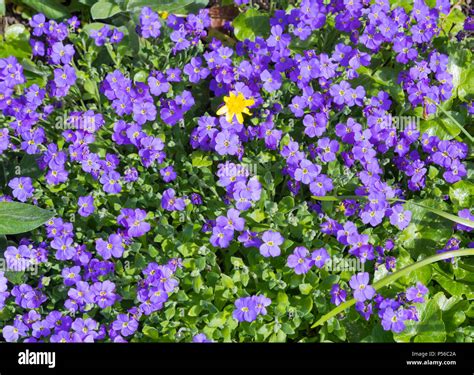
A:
(227, 143)
(319, 257)
(221, 237)
(393, 320)
(22, 188)
(135, 224)
(170, 202)
(261, 304)
(338, 295)
(271, 244)
(362, 290)
(327, 149)
(271, 81)
(104, 293)
(62, 53)
(232, 221)
(245, 310)
(399, 217)
(417, 293)
(321, 185)
(299, 260)
(86, 206)
(195, 71)
(125, 324)
(111, 182)
(307, 171)
(71, 275)
(201, 338)
(168, 174)
(112, 247)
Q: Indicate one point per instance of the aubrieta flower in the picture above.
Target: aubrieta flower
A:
(22, 188)
(248, 308)
(400, 217)
(417, 293)
(360, 284)
(271, 242)
(299, 260)
(86, 206)
(201, 338)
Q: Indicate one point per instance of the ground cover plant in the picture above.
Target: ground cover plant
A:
(304, 174)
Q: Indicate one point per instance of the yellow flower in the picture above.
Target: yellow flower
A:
(164, 14)
(235, 105)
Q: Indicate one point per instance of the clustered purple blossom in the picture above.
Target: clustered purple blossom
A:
(247, 309)
(320, 83)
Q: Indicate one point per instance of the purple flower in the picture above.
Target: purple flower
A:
(22, 188)
(170, 202)
(86, 206)
(104, 293)
(338, 295)
(271, 81)
(245, 309)
(227, 143)
(319, 257)
(201, 338)
(232, 221)
(62, 53)
(299, 260)
(195, 71)
(393, 320)
(327, 149)
(168, 174)
(271, 244)
(221, 237)
(360, 284)
(125, 324)
(307, 171)
(399, 217)
(111, 182)
(417, 294)
(114, 246)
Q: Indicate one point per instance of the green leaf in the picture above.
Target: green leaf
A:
(104, 9)
(15, 42)
(395, 276)
(445, 130)
(50, 8)
(151, 332)
(454, 22)
(462, 194)
(251, 24)
(20, 217)
(198, 159)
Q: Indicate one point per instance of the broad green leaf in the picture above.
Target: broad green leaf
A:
(15, 42)
(445, 130)
(251, 24)
(462, 194)
(50, 8)
(151, 332)
(104, 9)
(20, 217)
(454, 22)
